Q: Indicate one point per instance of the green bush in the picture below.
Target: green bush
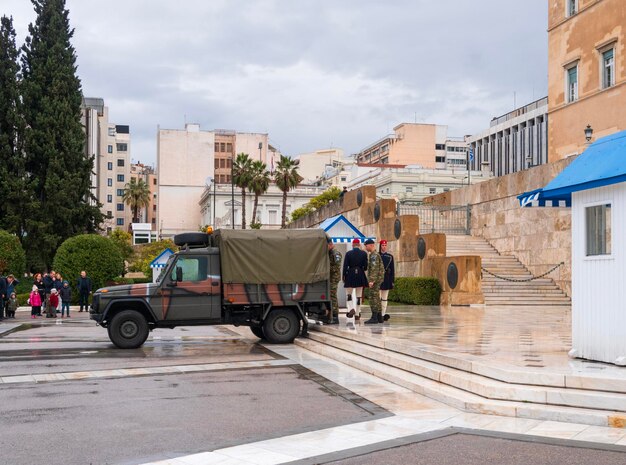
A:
(300, 212)
(22, 299)
(145, 253)
(97, 255)
(416, 291)
(12, 256)
(122, 241)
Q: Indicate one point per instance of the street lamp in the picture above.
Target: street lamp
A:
(588, 133)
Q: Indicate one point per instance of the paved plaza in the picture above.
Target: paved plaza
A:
(161, 404)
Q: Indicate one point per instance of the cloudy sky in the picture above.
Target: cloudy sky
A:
(311, 73)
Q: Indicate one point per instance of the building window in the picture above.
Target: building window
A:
(120, 178)
(608, 68)
(120, 207)
(109, 213)
(432, 190)
(216, 147)
(122, 147)
(343, 178)
(153, 220)
(110, 166)
(109, 198)
(154, 182)
(229, 147)
(110, 182)
(120, 222)
(446, 189)
(110, 149)
(572, 7)
(120, 192)
(222, 146)
(408, 189)
(120, 162)
(153, 208)
(598, 229)
(112, 132)
(440, 159)
(440, 146)
(572, 84)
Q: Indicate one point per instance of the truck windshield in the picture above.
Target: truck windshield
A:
(165, 268)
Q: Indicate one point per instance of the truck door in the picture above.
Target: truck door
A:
(192, 289)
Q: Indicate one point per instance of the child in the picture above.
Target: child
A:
(35, 302)
(53, 303)
(66, 298)
(12, 306)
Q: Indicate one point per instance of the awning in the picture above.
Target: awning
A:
(339, 229)
(601, 164)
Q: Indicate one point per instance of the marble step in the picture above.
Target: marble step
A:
(459, 398)
(478, 384)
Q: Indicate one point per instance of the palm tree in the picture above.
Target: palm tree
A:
(259, 183)
(136, 196)
(286, 177)
(242, 168)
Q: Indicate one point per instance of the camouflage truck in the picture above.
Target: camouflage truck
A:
(271, 281)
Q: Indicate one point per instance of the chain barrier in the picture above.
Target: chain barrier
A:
(525, 279)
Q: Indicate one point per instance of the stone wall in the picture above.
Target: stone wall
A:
(540, 237)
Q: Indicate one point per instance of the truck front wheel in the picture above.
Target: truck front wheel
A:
(128, 329)
(281, 326)
(257, 331)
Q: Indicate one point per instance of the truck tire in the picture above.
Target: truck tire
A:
(281, 326)
(128, 329)
(257, 331)
(192, 239)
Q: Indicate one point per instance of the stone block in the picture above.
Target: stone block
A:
(385, 209)
(386, 229)
(434, 245)
(460, 278)
(354, 199)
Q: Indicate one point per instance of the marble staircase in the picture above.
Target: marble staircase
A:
(476, 387)
(498, 291)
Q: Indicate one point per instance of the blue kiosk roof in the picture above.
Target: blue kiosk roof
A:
(602, 164)
(344, 231)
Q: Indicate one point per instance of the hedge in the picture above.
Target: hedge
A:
(414, 291)
(97, 255)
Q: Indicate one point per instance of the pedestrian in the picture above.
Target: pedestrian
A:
(41, 289)
(12, 305)
(354, 279)
(342, 193)
(53, 303)
(58, 285)
(11, 284)
(3, 295)
(66, 299)
(375, 276)
(334, 257)
(84, 289)
(35, 302)
(390, 277)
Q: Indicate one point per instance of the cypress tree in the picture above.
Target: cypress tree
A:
(14, 196)
(59, 170)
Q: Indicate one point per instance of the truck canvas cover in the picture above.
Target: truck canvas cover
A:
(273, 256)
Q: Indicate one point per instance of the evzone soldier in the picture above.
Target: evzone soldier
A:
(354, 279)
(334, 258)
(375, 276)
(390, 276)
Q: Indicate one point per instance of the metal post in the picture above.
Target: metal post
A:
(232, 191)
(214, 195)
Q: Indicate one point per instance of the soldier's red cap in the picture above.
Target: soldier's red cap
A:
(356, 241)
(383, 242)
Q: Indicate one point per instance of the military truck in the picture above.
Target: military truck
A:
(272, 281)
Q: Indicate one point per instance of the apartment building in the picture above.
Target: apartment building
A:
(514, 141)
(313, 165)
(586, 72)
(189, 160)
(110, 146)
(146, 174)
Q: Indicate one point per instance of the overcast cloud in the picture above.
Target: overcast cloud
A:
(311, 73)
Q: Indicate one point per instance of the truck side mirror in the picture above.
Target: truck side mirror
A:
(179, 273)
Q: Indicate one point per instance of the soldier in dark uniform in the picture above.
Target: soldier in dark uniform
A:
(375, 275)
(354, 279)
(334, 257)
(390, 276)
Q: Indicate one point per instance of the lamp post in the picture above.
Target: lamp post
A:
(588, 133)
(232, 192)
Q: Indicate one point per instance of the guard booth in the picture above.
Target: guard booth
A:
(594, 185)
(341, 232)
(159, 263)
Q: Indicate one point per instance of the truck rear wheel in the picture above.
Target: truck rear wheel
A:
(257, 331)
(128, 329)
(281, 326)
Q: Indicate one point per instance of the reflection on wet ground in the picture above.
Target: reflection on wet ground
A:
(45, 346)
(532, 337)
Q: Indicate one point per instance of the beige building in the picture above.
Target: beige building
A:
(313, 165)
(410, 144)
(109, 145)
(586, 72)
(189, 160)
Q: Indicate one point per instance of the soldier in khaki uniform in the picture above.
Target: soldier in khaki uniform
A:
(375, 277)
(334, 257)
